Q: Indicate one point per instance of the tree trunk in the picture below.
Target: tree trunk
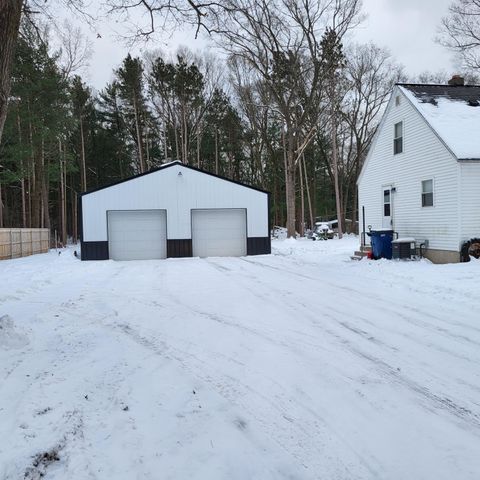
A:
(22, 180)
(139, 136)
(29, 191)
(216, 151)
(83, 165)
(62, 206)
(198, 149)
(45, 189)
(290, 194)
(35, 200)
(10, 14)
(355, 212)
(74, 214)
(165, 147)
(312, 222)
(335, 175)
(290, 183)
(1, 206)
(147, 148)
(177, 148)
(185, 138)
(302, 201)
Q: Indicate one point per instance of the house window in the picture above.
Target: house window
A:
(398, 138)
(386, 203)
(427, 193)
(397, 100)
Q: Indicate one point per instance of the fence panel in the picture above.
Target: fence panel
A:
(21, 242)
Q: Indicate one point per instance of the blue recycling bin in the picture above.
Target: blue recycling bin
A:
(381, 243)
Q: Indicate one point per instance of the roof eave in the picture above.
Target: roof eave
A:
(172, 164)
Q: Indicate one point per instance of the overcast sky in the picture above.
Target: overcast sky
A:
(406, 27)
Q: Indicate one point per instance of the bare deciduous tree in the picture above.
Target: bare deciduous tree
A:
(460, 31)
(160, 14)
(280, 42)
(75, 48)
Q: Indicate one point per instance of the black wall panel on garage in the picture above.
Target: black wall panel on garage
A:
(258, 246)
(94, 250)
(179, 248)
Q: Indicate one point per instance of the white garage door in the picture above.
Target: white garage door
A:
(137, 234)
(219, 232)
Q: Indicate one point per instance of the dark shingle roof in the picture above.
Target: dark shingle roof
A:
(426, 92)
(453, 112)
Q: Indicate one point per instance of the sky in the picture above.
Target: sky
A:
(406, 27)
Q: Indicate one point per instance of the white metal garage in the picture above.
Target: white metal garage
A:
(137, 234)
(175, 210)
(219, 232)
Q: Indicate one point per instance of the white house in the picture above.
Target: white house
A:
(174, 211)
(421, 176)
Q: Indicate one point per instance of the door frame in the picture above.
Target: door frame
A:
(391, 189)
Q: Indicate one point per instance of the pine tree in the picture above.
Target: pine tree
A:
(81, 106)
(131, 91)
(333, 63)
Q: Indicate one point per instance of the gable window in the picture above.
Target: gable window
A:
(397, 100)
(427, 193)
(398, 138)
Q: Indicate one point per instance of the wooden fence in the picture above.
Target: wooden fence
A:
(21, 242)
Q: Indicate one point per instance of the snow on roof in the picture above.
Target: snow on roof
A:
(173, 162)
(450, 111)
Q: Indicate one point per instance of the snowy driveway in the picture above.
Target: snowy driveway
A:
(299, 365)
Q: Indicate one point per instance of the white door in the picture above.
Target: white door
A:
(137, 234)
(387, 207)
(219, 232)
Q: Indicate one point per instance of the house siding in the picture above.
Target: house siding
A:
(470, 200)
(424, 157)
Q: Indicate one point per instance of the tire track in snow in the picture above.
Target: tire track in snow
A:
(238, 393)
(376, 298)
(232, 389)
(366, 294)
(444, 403)
(387, 307)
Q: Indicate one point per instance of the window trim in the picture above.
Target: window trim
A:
(422, 193)
(395, 138)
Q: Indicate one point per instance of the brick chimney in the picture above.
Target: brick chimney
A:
(456, 81)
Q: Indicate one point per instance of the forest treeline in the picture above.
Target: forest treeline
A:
(297, 122)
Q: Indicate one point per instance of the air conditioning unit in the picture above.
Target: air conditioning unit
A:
(403, 248)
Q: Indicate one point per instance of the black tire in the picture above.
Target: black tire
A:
(470, 249)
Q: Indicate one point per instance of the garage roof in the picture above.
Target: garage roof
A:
(172, 164)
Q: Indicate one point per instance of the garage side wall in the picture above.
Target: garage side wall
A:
(178, 190)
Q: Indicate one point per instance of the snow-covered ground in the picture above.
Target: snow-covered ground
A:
(298, 365)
